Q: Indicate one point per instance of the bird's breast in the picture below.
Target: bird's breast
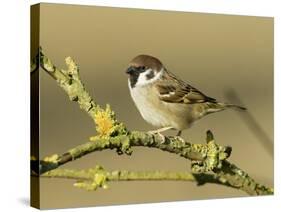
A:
(157, 112)
(148, 105)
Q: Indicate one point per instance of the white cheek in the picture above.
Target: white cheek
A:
(142, 79)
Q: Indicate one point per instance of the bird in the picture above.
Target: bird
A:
(164, 100)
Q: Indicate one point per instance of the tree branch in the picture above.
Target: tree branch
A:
(210, 154)
(114, 135)
(91, 179)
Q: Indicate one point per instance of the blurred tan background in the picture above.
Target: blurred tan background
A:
(214, 53)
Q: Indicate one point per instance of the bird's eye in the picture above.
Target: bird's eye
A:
(141, 68)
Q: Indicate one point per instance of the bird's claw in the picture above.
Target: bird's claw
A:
(180, 139)
(155, 132)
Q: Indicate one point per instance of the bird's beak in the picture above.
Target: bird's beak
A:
(130, 70)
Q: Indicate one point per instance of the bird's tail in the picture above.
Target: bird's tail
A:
(233, 106)
(213, 107)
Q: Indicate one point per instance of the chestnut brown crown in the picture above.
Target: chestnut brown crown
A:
(146, 61)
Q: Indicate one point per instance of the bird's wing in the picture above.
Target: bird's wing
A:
(173, 90)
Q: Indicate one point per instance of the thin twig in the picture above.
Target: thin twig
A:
(91, 179)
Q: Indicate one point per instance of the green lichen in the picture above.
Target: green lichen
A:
(51, 159)
(125, 147)
(213, 155)
(47, 64)
(97, 178)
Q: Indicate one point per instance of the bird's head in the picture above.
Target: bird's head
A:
(143, 70)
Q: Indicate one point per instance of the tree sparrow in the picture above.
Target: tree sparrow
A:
(164, 100)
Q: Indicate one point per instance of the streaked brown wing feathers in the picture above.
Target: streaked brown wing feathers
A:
(173, 90)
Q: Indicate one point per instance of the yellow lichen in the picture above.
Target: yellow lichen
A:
(104, 121)
(94, 138)
(98, 179)
(51, 159)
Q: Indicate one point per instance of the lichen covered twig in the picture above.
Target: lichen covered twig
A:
(69, 80)
(205, 157)
(92, 179)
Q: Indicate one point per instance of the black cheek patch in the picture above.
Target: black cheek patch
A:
(150, 75)
(133, 79)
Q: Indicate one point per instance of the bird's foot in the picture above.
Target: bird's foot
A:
(180, 139)
(156, 132)
(178, 136)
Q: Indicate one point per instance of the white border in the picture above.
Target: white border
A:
(239, 7)
(14, 131)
